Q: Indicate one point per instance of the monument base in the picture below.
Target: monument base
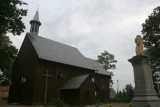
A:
(146, 101)
(144, 93)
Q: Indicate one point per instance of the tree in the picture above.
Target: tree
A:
(151, 39)
(11, 16)
(8, 53)
(129, 91)
(107, 61)
(124, 93)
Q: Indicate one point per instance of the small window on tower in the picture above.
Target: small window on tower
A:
(32, 29)
(60, 76)
(92, 79)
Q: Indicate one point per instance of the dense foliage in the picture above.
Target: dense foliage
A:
(129, 91)
(151, 39)
(126, 95)
(8, 53)
(11, 16)
(108, 61)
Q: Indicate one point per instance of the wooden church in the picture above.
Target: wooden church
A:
(45, 70)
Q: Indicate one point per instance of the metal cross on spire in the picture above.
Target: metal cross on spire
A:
(37, 7)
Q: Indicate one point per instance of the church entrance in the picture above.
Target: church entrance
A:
(90, 97)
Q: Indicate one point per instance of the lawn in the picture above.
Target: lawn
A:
(120, 104)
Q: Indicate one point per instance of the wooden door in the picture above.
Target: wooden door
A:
(89, 97)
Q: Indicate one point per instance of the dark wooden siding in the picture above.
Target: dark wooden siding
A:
(71, 96)
(29, 66)
(55, 82)
(102, 83)
(87, 92)
(26, 53)
(24, 66)
(84, 95)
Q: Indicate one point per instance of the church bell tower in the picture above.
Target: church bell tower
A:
(35, 23)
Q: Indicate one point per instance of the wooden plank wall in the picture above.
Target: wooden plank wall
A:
(102, 82)
(24, 66)
(54, 83)
(87, 92)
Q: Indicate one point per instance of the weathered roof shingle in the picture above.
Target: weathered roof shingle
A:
(98, 67)
(75, 82)
(61, 53)
(58, 52)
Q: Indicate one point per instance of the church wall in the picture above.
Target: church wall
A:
(102, 83)
(71, 96)
(87, 92)
(56, 81)
(23, 91)
(81, 96)
(24, 67)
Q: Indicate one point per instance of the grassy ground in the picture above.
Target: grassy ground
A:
(3, 103)
(120, 104)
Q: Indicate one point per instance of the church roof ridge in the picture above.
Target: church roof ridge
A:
(57, 52)
(55, 41)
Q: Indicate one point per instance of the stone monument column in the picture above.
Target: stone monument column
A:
(144, 93)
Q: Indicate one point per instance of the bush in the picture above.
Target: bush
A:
(59, 102)
(97, 103)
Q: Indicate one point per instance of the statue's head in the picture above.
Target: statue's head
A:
(138, 35)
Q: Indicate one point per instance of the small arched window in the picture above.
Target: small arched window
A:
(60, 77)
(92, 79)
(95, 93)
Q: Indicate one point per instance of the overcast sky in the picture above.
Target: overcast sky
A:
(93, 26)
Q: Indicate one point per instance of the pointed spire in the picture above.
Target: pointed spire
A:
(36, 16)
(35, 23)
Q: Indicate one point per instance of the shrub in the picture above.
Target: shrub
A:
(59, 102)
(97, 103)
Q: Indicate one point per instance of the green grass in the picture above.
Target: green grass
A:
(120, 104)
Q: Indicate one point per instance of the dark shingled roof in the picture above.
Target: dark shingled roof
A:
(75, 82)
(98, 67)
(61, 53)
(58, 52)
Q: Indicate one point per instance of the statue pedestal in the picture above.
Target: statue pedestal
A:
(144, 93)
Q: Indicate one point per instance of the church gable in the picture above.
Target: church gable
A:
(79, 90)
(26, 52)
